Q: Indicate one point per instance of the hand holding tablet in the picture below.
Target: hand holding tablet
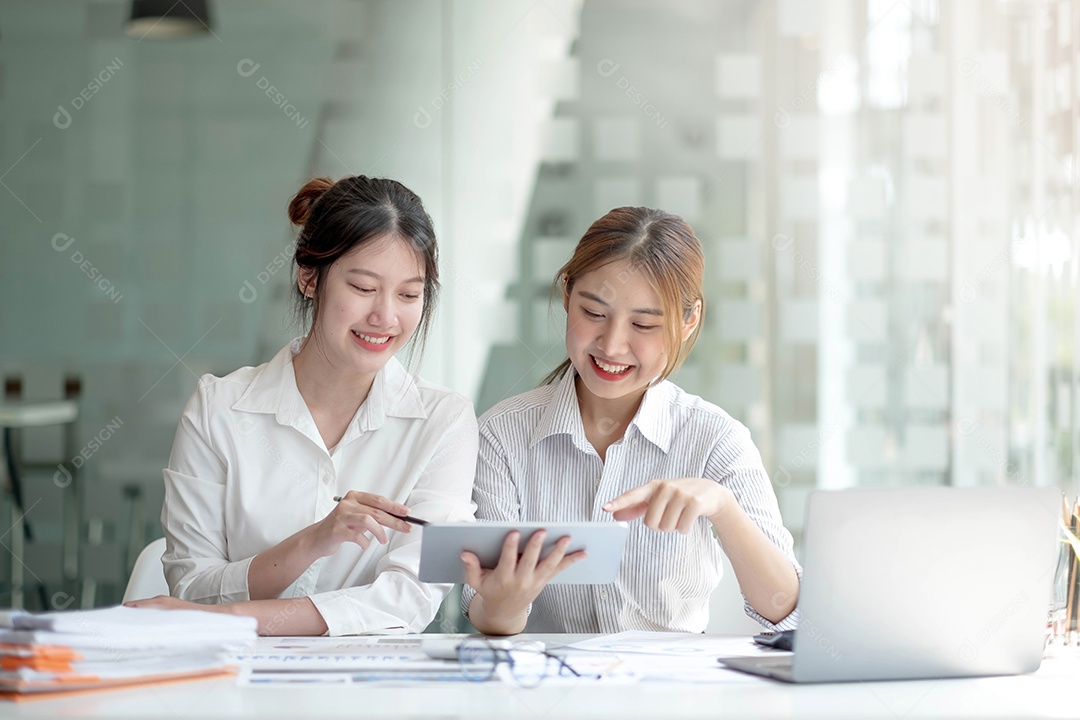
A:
(602, 543)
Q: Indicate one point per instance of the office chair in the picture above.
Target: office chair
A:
(147, 577)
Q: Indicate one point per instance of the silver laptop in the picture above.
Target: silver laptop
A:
(921, 583)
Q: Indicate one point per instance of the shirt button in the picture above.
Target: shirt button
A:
(603, 595)
(596, 482)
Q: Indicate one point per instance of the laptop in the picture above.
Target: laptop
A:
(921, 583)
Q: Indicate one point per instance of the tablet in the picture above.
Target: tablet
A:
(443, 543)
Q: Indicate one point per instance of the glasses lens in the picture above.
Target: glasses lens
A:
(529, 666)
(477, 659)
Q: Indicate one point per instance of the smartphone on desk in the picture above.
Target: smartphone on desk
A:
(776, 640)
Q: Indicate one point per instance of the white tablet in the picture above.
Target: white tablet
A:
(443, 543)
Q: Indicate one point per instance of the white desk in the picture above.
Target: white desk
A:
(15, 417)
(1053, 692)
(22, 415)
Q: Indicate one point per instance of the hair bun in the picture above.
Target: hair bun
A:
(300, 206)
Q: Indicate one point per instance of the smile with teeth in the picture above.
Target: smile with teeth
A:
(609, 368)
(371, 338)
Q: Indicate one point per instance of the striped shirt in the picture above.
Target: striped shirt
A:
(536, 465)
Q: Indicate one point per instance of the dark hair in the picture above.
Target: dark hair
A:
(660, 245)
(338, 217)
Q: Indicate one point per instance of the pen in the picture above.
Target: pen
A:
(1073, 608)
(1070, 573)
(406, 518)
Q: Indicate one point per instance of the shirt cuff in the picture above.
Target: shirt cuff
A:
(788, 623)
(234, 581)
(341, 613)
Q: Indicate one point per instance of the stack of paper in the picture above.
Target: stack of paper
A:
(93, 649)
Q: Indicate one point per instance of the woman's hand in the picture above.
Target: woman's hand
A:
(165, 602)
(507, 589)
(358, 513)
(286, 616)
(673, 504)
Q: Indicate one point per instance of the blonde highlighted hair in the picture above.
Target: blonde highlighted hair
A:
(665, 250)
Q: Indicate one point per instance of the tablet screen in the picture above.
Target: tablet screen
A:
(443, 543)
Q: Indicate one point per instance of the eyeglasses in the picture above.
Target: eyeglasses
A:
(523, 664)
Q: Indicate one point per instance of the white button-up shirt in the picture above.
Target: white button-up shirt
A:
(536, 465)
(249, 468)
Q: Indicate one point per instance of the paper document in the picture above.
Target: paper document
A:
(401, 659)
(674, 657)
(49, 653)
(340, 644)
(675, 644)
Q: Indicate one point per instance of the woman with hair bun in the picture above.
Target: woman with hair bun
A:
(252, 516)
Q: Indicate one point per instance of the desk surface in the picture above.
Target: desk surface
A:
(1051, 692)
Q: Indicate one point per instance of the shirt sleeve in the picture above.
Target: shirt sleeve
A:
(494, 493)
(196, 560)
(736, 463)
(397, 601)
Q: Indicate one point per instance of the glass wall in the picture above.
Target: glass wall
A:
(885, 193)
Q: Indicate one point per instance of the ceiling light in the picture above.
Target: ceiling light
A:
(166, 19)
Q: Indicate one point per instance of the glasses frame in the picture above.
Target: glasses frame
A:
(496, 656)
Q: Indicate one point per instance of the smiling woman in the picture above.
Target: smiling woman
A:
(608, 438)
(246, 533)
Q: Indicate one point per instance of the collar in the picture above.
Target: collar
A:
(562, 415)
(654, 418)
(273, 390)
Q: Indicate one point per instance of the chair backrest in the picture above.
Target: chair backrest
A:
(148, 577)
